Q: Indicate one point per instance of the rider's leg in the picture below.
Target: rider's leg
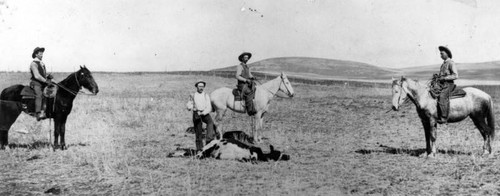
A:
(444, 101)
(40, 114)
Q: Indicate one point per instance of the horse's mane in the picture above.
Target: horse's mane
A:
(69, 78)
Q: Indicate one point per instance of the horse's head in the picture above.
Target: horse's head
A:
(399, 92)
(85, 79)
(285, 85)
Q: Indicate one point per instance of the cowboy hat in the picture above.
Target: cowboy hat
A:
(243, 54)
(200, 81)
(36, 50)
(445, 49)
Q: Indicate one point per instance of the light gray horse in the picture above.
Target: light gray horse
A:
(223, 98)
(476, 104)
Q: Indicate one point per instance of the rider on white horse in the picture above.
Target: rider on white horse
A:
(246, 84)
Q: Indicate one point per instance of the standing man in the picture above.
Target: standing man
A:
(246, 84)
(38, 81)
(201, 113)
(447, 74)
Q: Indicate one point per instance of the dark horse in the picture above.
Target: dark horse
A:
(59, 108)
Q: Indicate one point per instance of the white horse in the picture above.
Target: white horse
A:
(223, 98)
(476, 104)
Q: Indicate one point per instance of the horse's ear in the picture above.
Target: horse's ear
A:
(81, 67)
(84, 66)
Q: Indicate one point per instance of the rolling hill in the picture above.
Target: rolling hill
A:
(468, 71)
(319, 68)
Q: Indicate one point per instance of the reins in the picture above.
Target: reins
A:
(72, 91)
(279, 89)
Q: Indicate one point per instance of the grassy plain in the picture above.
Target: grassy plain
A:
(340, 140)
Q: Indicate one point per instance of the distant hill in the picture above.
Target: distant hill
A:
(319, 68)
(469, 71)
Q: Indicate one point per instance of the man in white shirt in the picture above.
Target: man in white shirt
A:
(201, 113)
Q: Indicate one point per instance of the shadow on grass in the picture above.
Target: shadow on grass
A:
(411, 152)
(40, 144)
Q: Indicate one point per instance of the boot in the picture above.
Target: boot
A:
(40, 115)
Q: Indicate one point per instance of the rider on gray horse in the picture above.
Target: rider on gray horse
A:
(39, 80)
(447, 74)
(246, 84)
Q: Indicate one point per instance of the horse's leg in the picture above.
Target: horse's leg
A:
(427, 129)
(433, 137)
(63, 131)
(218, 119)
(4, 139)
(484, 130)
(57, 130)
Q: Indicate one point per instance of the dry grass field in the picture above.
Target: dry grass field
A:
(341, 142)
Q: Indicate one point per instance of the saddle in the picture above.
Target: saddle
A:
(237, 95)
(28, 95)
(435, 89)
(48, 92)
(455, 93)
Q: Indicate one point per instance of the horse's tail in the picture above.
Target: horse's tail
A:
(490, 118)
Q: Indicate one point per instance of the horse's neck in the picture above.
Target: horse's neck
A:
(420, 95)
(271, 87)
(70, 83)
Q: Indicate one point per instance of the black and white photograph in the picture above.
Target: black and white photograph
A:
(249, 97)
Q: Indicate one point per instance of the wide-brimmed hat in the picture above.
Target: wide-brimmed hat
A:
(445, 49)
(200, 81)
(243, 54)
(36, 50)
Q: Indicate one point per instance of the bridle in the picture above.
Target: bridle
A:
(400, 95)
(279, 88)
(72, 91)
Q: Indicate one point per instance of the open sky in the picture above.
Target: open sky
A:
(158, 35)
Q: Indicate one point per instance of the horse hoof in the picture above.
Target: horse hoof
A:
(487, 154)
(425, 155)
(63, 147)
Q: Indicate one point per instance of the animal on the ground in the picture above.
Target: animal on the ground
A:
(238, 135)
(9, 111)
(223, 98)
(60, 108)
(476, 104)
(231, 149)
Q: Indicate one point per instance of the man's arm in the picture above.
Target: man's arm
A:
(190, 103)
(239, 69)
(34, 69)
(453, 72)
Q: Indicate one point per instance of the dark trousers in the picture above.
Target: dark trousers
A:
(444, 98)
(37, 87)
(198, 120)
(248, 92)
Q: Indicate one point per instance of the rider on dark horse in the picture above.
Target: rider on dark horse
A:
(246, 82)
(39, 80)
(447, 74)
